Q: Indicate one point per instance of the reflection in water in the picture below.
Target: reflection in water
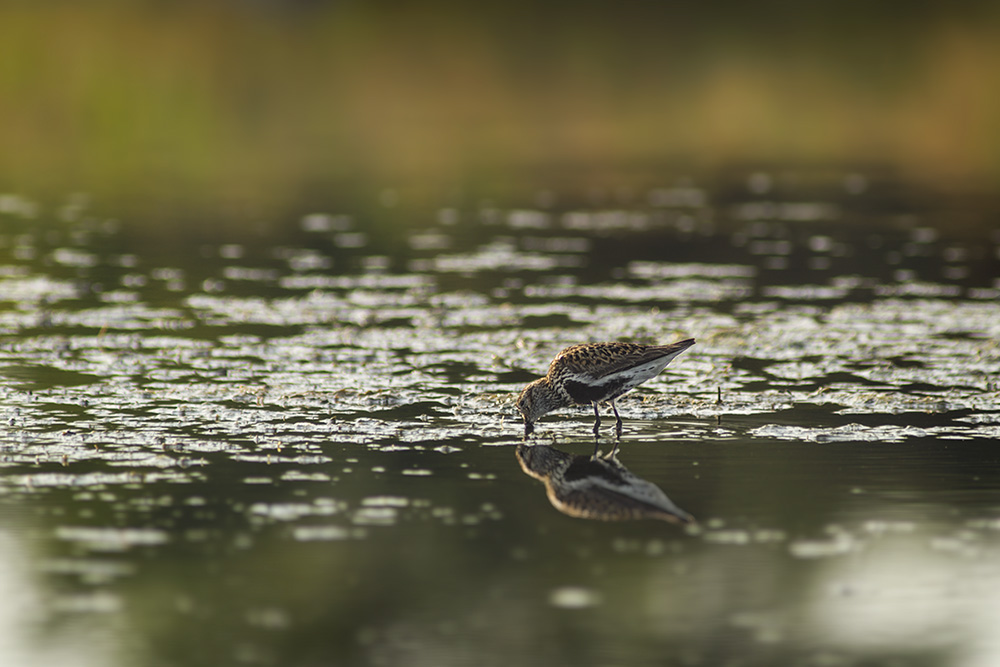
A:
(68, 635)
(596, 487)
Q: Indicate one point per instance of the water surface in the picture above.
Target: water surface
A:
(298, 446)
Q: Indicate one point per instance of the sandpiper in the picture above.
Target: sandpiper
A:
(594, 373)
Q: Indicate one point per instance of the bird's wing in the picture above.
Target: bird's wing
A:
(604, 359)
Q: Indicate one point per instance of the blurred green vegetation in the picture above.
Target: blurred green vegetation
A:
(265, 102)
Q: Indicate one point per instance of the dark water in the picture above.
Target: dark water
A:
(295, 444)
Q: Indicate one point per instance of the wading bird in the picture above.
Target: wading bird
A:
(594, 373)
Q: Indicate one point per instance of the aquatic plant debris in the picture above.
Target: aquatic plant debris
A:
(391, 360)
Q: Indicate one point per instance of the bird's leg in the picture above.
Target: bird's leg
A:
(618, 424)
(614, 449)
(597, 426)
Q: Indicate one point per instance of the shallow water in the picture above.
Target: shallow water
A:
(299, 447)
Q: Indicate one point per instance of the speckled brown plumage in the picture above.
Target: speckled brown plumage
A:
(594, 373)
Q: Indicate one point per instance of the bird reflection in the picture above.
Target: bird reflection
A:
(596, 487)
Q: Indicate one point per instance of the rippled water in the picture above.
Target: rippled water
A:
(299, 447)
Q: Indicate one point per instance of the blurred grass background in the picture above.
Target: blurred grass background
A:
(264, 102)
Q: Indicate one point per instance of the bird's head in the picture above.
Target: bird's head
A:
(535, 401)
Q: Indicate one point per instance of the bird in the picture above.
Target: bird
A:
(596, 487)
(594, 373)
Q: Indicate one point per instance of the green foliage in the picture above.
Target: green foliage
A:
(261, 102)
